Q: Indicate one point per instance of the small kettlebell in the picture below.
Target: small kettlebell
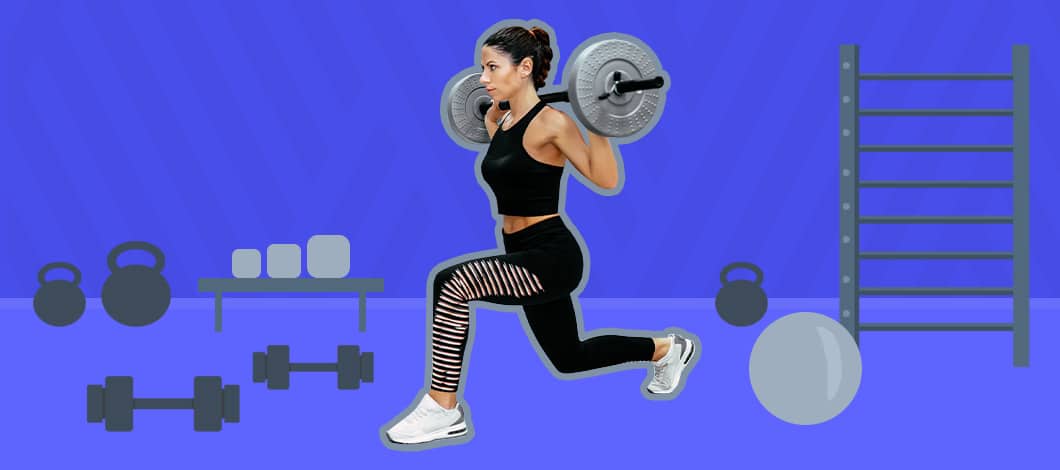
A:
(136, 295)
(59, 302)
(741, 302)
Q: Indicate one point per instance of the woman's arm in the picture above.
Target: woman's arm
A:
(596, 160)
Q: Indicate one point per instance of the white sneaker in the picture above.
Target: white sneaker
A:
(428, 422)
(668, 371)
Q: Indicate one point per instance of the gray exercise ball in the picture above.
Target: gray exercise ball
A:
(805, 368)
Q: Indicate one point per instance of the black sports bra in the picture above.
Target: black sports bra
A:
(522, 185)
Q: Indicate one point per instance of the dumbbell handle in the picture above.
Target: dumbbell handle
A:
(163, 403)
(623, 86)
(314, 367)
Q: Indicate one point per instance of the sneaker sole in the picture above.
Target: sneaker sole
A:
(447, 433)
(684, 369)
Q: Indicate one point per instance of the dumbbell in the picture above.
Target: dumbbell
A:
(600, 85)
(114, 403)
(275, 367)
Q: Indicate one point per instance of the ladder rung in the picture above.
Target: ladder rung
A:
(935, 112)
(977, 291)
(935, 327)
(935, 220)
(934, 184)
(936, 255)
(935, 148)
(935, 76)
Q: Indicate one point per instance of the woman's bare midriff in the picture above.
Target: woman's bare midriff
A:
(515, 223)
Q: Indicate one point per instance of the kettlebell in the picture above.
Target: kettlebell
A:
(136, 295)
(59, 302)
(741, 302)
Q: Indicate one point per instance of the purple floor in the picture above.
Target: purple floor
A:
(927, 399)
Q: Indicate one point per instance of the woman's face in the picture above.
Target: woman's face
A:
(500, 77)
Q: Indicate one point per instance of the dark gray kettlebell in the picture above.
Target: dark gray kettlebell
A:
(741, 302)
(59, 302)
(136, 295)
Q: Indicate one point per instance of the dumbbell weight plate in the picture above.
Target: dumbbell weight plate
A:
(260, 372)
(368, 367)
(231, 403)
(592, 73)
(278, 367)
(349, 366)
(95, 404)
(209, 404)
(118, 403)
(463, 113)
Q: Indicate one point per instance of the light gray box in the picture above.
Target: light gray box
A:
(284, 261)
(246, 263)
(328, 256)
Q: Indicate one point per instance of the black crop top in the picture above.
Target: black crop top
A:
(523, 186)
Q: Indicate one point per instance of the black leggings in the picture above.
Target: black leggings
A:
(541, 266)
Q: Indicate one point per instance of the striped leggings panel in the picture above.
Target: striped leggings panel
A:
(493, 279)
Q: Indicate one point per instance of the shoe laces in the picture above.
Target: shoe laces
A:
(660, 373)
(418, 414)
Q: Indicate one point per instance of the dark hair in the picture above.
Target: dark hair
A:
(520, 43)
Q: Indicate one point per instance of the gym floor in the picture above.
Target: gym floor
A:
(951, 399)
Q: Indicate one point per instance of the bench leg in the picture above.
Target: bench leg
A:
(217, 312)
(363, 315)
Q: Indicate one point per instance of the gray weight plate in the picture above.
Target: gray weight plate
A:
(368, 367)
(463, 112)
(231, 403)
(95, 404)
(349, 367)
(260, 373)
(592, 75)
(278, 367)
(208, 403)
(118, 403)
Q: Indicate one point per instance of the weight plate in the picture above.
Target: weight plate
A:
(368, 367)
(95, 404)
(208, 403)
(278, 367)
(349, 367)
(592, 74)
(463, 113)
(118, 403)
(231, 403)
(260, 374)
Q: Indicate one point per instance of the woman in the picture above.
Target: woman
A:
(542, 264)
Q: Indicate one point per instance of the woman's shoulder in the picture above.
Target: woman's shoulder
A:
(555, 120)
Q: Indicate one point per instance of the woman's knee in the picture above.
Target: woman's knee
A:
(444, 278)
(566, 360)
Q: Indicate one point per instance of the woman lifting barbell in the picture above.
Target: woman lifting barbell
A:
(542, 263)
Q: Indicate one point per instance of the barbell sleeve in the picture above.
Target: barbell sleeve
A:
(626, 86)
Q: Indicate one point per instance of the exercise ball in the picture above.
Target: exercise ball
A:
(805, 368)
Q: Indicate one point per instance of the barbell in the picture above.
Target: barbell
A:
(614, 84)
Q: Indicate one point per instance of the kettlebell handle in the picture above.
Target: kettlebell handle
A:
(742, 264)
(112, 259)
(59, 265)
